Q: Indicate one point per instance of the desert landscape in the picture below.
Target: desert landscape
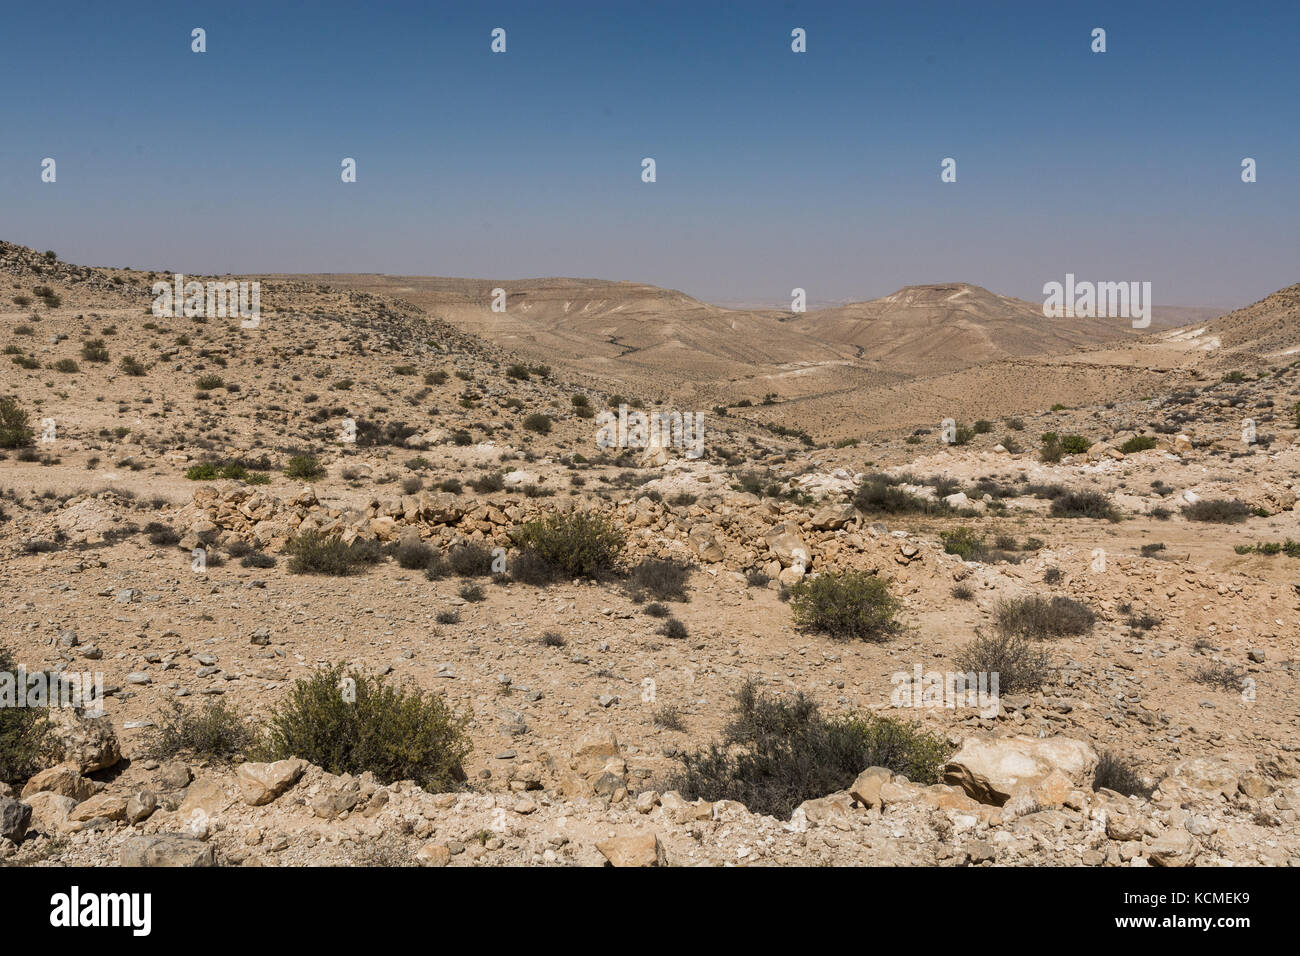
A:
(384, 577)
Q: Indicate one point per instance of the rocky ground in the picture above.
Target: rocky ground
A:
(573, 745)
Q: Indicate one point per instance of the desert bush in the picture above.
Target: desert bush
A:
(1219, 676)
(161, 534)
(24, 735)
(575, 543)
(537, 422)
(777, 752)
(669, 717)
(1222, 510)
(488, 482)
(354, 723)
(305, 467)
(1022, 666)
(66, 365)
(878, 495)
(316, 553)
(1119, 773)
(661, 579)
(413, 555)
(1135, 444)
(1084, 504)
(213, 731)
(673, 628)
(1042, 618)
(15, 432)
(527, 567)
(206, 383)
(963, 542)
(131, 366)
(845, 604)
(470, 560)
(1055, 447)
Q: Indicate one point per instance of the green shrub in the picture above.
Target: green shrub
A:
(1055, 446)
(777, 753)
(213, 731)
(1138, 443)
(353, 723)
(1217, 509)
(575, 543)
(537, 422)
(66, 365)
(131, 366)
(15, 432)
(316, 553)
(305, 467)
(963, 542)
(1041, 618)
(879, 495)
(94, 351)
(845, 604)
(207, 383)
(24, 734)
(1084, 504)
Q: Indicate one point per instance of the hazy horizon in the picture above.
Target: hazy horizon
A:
(775, 169)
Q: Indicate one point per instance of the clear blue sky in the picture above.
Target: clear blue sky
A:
(775, 169)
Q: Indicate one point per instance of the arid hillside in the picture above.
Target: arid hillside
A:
(228, 522)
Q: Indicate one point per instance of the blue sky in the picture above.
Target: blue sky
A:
(775, 169)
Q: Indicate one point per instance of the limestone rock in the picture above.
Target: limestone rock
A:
(260, 783)
(63, 780)
(167, 849)
(87, 743)
(991, 770)
(641, 850)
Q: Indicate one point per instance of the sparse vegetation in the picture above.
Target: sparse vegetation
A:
(350, 722)
(778, 752)
(1224, 511)
(24, 735)
(1021, 665)
(15, 431)
(1039, 618)
(577, 544)
(213, 730)
(848, 604)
